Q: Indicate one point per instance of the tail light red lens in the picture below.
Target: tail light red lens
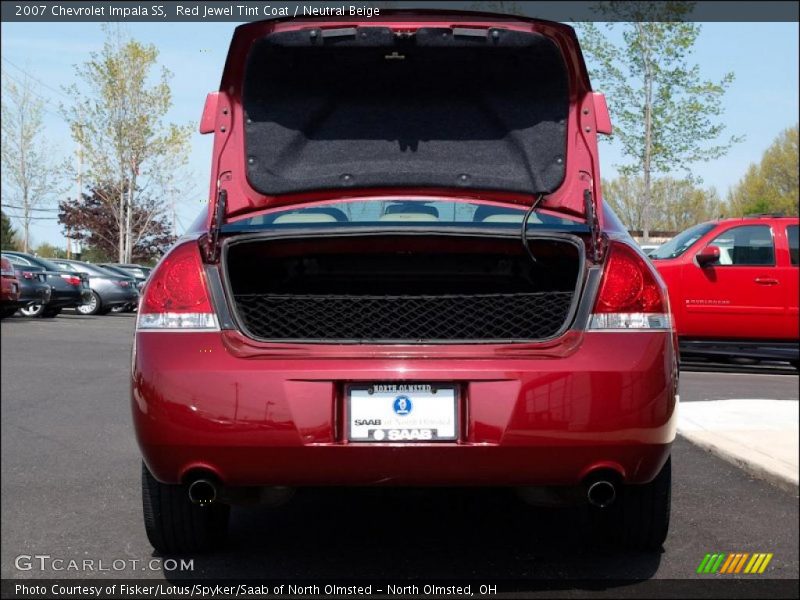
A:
(6, 270)
(71, 279)
(631, 296)
(27, 275)
(176, 296)
(122, 283)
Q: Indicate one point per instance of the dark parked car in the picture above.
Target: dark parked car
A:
(22, 287)
(138, 271)
(406, 276)
(138, 275)
(67, 290)
(108, 289)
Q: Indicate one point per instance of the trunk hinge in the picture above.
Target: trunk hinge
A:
(212, 239)
(594, 224)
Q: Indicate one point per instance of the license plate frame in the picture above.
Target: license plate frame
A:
(432, 415)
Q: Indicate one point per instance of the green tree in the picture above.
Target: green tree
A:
(680, 204)
(772, 185)
(665, 114)
(94, 254)
(624, 195)
(126, 146)
(676, 203)
(46, 250)
(8, 235)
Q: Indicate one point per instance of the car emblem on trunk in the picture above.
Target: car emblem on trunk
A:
(402, 405)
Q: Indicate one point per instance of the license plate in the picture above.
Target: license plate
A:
(402, 412)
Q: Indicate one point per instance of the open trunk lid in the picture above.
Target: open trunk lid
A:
(450, 104)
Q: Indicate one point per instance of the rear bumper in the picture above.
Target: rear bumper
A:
(119, 296)
(69, 298)
(34, 294)
(535, 419)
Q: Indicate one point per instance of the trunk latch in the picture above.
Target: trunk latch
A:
(594, 224)
(212, 239)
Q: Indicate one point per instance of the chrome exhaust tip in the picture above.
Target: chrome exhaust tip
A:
(601, 493)
(202, 491)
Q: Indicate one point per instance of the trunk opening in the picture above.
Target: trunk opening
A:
(403, 288)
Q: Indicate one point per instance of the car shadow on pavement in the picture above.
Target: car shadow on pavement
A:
(395, 534)
(17, 319)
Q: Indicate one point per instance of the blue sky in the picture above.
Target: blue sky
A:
(762, 101)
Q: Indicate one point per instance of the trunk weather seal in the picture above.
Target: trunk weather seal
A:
(578, 297)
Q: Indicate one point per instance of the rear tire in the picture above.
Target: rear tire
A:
(32, 310)
(639, 518)
(7, 312)
(175, 525)
(93, 307)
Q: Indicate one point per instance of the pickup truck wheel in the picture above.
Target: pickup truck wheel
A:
(175, 525)
(639, 518)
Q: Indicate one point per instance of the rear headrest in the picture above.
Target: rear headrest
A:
(304, 217)
(504, 218)
(412, 208)
(409, 216)
(493, 214)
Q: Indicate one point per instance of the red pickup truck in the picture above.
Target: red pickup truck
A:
(733, 287)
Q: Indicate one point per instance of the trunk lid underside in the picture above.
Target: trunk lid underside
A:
(366, 107)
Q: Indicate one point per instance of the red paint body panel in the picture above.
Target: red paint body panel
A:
(9, 293)
(607, 401)
(728, 302)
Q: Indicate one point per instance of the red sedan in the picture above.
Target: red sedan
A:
(406, 276)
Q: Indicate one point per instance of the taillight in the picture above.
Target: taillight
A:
(631, 296)
(122, 282)
(176, 296)
(28, 275)
(6, 269)
(71, 279)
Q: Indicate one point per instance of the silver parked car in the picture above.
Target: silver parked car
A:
(108, 289)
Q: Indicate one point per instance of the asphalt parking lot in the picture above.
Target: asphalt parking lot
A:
(70, 490)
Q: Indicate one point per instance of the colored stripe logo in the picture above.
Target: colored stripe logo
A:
(735, 562)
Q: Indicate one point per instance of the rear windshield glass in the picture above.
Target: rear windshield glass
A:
(398, 213)
(682, 242)
(46, 264)
(85, 268)
(121, 272)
